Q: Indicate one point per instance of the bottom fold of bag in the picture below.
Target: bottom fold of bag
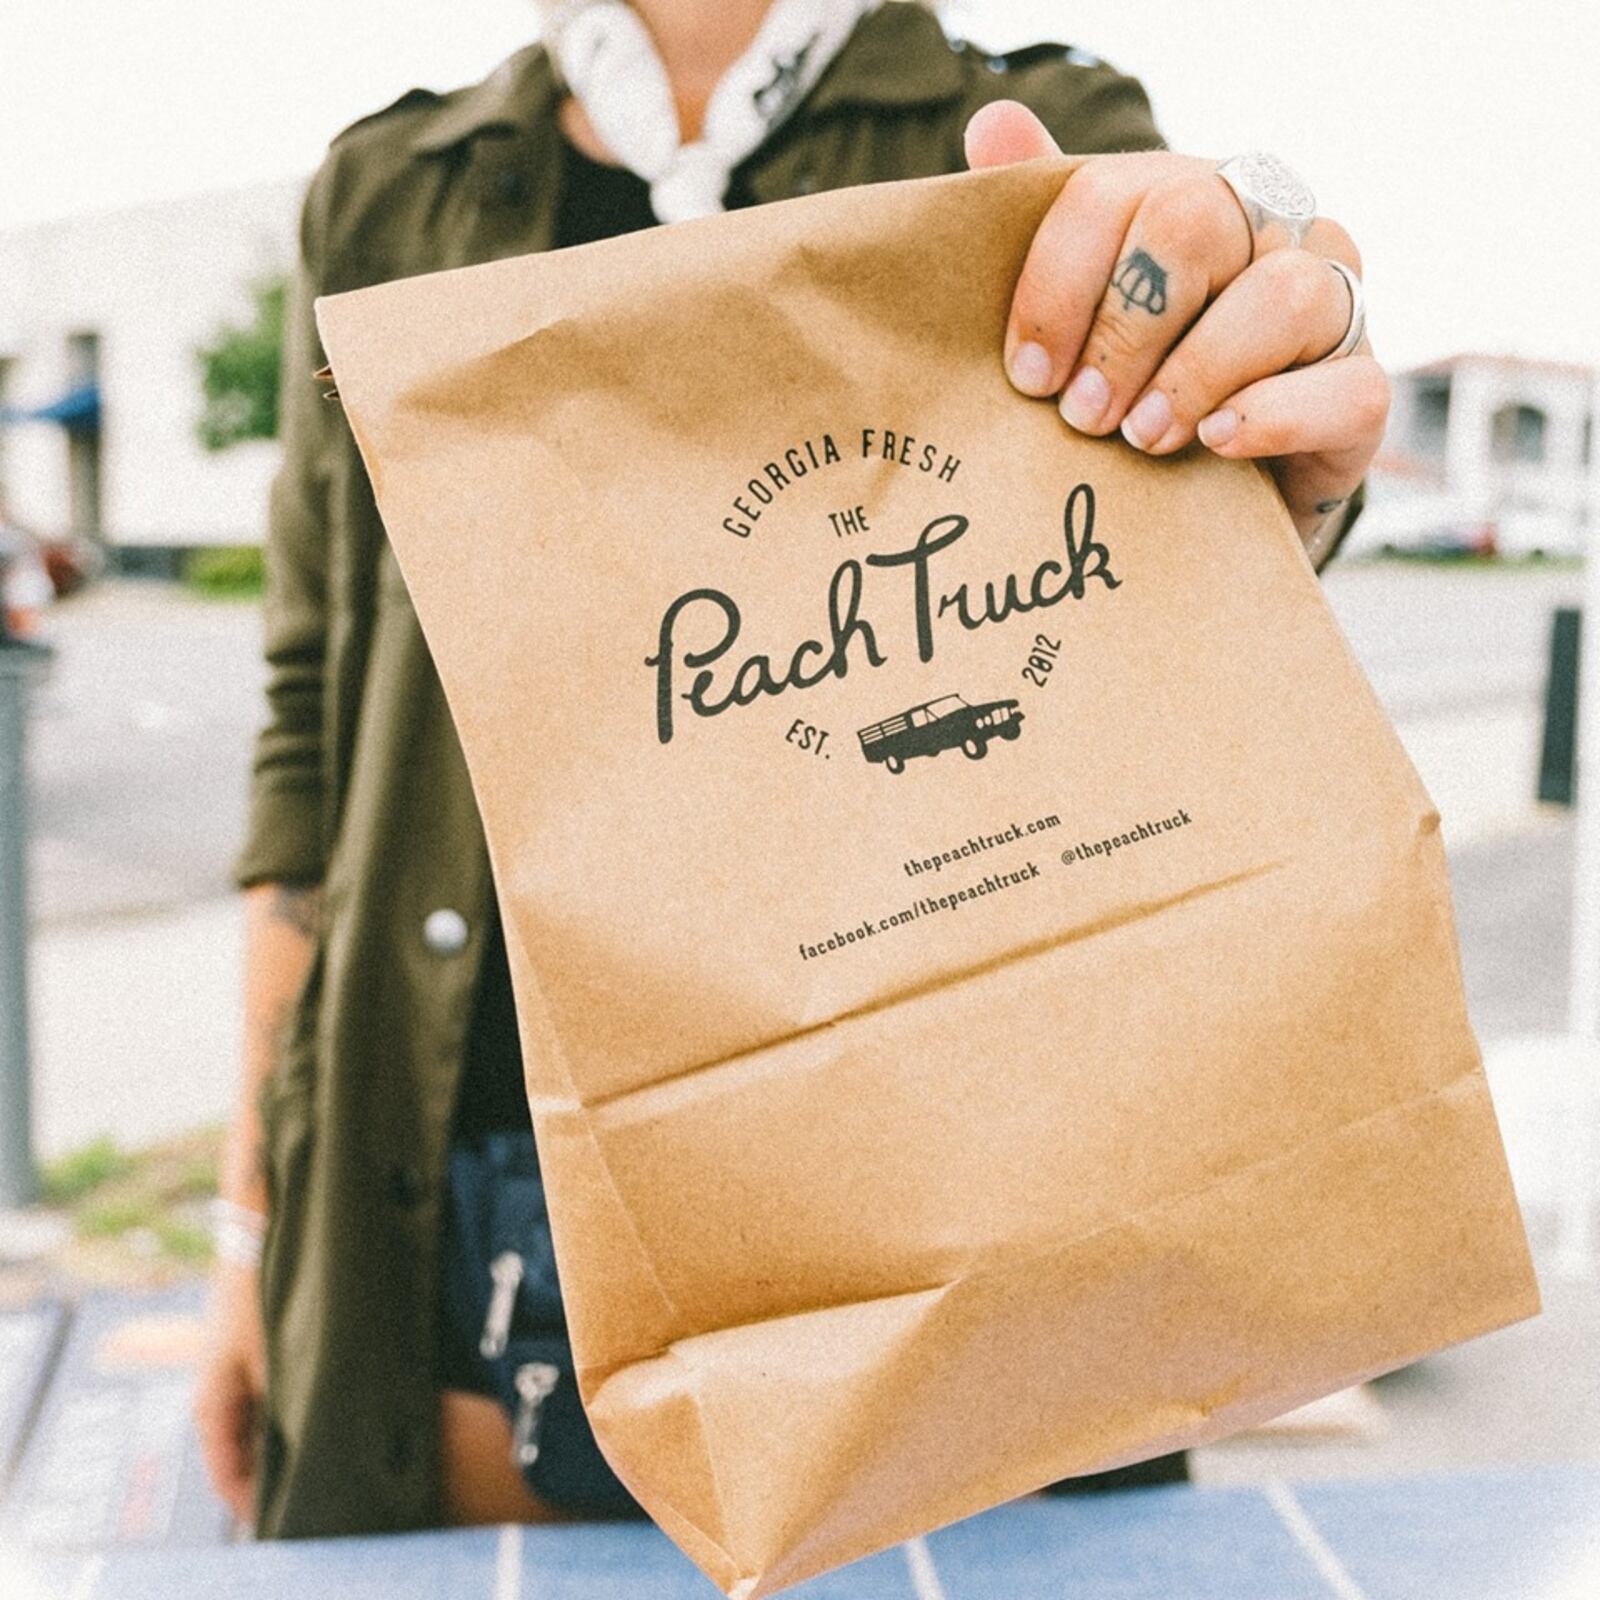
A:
(772, 1451)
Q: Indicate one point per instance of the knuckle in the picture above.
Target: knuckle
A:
(1336, 242)
(1114, 340)
(1098, 181)
(1184, 216)
(1294, 280)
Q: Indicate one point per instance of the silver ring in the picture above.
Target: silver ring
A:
(1277, 202)
(1357, 329)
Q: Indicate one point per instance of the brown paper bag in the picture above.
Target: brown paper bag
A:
(984, 962)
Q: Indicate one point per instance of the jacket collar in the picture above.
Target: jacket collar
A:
(897, 57)
(521, 94)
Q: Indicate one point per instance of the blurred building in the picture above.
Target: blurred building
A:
(100, 320)
(1485, 448)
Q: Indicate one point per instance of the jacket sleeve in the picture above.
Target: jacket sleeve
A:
(284, 833)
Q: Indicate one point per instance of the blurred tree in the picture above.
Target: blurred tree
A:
(239, 373)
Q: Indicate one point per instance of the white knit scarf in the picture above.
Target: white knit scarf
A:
(610, 63)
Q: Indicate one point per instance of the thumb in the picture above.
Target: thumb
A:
(1005, 131)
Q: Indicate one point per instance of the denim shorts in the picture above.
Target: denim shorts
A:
(502, 1332)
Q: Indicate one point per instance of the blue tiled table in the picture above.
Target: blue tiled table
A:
(1522, 1535)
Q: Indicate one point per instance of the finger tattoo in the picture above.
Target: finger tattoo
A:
(1142, 282)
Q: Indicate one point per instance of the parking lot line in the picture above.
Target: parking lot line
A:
(508, 1564)
(924, 1575)
(1293, 1516)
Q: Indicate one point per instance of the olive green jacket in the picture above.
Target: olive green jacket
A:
(359, 781)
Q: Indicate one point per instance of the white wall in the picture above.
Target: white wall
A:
(1534, 505)
(1548, 495)
(155, 283)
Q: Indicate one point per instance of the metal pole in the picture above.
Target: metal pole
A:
(18, 1179)
(1575, 1251)
(1583, 1016)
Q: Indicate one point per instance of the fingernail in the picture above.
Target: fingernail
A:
(1086, 399)
(1218, 428)
(1148, 421)
(1031, 369)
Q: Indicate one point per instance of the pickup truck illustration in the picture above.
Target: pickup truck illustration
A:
(940, 725)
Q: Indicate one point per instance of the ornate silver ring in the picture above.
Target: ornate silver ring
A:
(1277, 202)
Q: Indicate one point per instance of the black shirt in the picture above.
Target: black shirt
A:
(597, 202)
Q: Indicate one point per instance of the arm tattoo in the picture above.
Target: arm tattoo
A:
(270, 1035)
(1141, 282)
(297, 906)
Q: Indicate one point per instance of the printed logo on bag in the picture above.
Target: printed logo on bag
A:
(949, 723)
(703, 659)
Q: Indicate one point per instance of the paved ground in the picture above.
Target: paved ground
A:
(1513, 911)
(1457, 656)
(140, 756)
(1525, 1395)
(138, 762)
(1438, 640)
(140, 749)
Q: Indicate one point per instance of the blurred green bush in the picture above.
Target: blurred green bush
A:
(233, 571)
(239, 372)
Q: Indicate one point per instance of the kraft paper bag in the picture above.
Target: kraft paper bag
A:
(984, 963)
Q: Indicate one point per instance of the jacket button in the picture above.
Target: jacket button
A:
(445, 932)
